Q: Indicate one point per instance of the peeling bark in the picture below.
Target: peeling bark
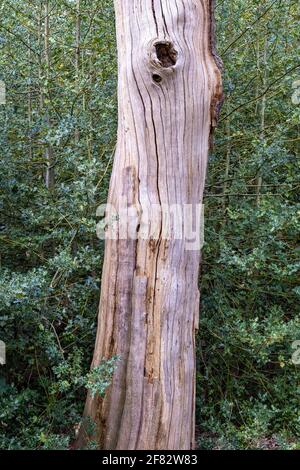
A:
(170, 92)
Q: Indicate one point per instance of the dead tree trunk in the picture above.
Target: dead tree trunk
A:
(169, 96)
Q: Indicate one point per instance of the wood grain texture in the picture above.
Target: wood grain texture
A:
(169, 95)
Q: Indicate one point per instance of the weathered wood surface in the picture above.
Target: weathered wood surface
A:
(169, 95)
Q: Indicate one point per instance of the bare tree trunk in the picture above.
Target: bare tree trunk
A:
(169, 97)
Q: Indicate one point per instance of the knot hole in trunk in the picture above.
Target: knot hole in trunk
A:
(166, 54)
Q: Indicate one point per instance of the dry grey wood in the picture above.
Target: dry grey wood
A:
(169, 96)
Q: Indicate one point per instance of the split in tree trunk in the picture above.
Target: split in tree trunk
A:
(169, 97)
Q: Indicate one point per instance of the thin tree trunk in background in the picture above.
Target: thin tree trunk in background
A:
(263, 113)
(169, 97)
(29, 99)
(225, 200)
(258, 85)
(77, 57)
(227, 164)
(49, 180)
(89, 136)
(40, 57)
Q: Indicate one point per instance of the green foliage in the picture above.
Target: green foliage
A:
(248, 387)
(50, 255)
(99, 378)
